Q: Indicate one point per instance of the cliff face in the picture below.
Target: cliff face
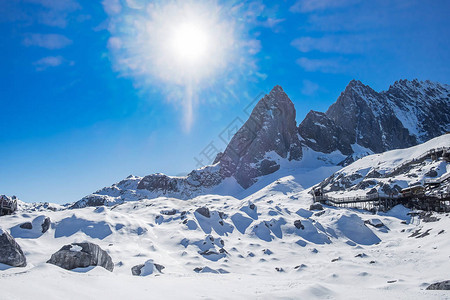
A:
(410, 112)
(271, 127)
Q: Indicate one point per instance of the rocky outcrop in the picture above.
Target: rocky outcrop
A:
(408, 113)
(443, 285)
(270, 128)
(45, 225)
(81, 255)
(10, 252)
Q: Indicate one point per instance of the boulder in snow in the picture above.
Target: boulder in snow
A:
(10, 252)
(316, 206)
(443, 285)
(81, 255)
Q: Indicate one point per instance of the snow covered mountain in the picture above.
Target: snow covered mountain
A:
(389, 172)
(250, 227)
(361, 122)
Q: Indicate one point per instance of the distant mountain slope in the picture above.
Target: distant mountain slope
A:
(361, 122)
(408, 113)
(389, 172)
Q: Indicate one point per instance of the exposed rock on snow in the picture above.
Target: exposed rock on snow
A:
(443, 285)
(11, 253)
(26, 225)
(390, 172)
(45, 225)
(316, 206)
(71, 256)
(148, 268)
(271, 127)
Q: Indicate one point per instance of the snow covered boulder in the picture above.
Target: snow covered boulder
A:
(148, 268)
(10, 252)
(443, 285)
(81, 255)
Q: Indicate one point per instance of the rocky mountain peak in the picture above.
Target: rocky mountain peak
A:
(407, 113)
(271, 127)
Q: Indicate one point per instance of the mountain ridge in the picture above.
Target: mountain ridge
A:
(360, 122)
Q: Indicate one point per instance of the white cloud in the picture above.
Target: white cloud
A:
(49, 41)
(254, 46)
(114, 43)
(51, 62)
(47, 62)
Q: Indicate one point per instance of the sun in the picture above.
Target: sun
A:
(183, 46)
(189, 43)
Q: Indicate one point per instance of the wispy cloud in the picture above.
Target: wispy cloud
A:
(49, 41)
(48, 62)
(60, 5)
(112, 7)
(305, 6)
(309, 88)
(345, 44)
(326, 65)
(54, 12)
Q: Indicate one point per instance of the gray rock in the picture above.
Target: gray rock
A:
(298, 224)
(271, 127)
(45, 225)
(371, 119)
(26, 225)
(10, 252)
(443, 285)
(204, 211)
(316, 206)
(81, 255)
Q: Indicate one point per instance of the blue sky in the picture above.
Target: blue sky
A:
(83, 105)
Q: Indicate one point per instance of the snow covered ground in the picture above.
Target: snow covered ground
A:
(268, 254)
(391, 171)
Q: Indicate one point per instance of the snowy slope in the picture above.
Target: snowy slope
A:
(265, 255)
(390, 171)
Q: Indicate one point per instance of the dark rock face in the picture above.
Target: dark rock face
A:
(10, 252)
(91, 200)
(204, 211)
(443, 285)
(81, 255)
(410, 112)
(26, 225)
(316, 206)
(298, 224)
(271, 127)
(45, 225)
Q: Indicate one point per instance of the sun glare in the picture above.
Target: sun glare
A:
(185, 45)
(189, 43)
